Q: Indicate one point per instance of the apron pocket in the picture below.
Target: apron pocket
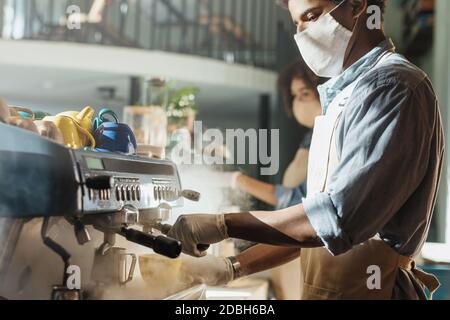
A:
(315, 293)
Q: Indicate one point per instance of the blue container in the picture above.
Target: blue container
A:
(442, 272)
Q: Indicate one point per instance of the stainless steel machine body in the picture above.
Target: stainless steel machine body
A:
(109, 192)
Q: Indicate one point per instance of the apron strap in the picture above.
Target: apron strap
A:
(427, 280)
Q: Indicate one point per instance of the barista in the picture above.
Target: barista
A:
(373, 175)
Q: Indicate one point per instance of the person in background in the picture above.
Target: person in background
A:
(375, 165)
(298, 86)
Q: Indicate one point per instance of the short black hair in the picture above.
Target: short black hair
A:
(297, 70)
(379, 3)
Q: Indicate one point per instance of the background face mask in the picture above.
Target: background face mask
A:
(323, 46)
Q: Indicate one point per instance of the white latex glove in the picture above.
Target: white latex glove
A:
(4, 112)
(225, 179)
(208, 270)
(196, 229)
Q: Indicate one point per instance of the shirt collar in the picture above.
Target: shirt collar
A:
(329, 90)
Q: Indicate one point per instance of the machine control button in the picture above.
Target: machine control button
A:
(191, 195)
(138, 193)
(133, 193)
(128, 190)
(123, 191)
(118, 193)
(167, 194)
(159, 193)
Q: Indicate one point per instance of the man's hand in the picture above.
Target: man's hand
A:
(199, 229)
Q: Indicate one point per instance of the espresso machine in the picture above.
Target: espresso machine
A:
(94, 193)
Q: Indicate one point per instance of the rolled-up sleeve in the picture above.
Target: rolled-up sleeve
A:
(384, 144)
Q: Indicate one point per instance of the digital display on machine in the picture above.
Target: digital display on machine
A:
(94, 163)
(137, 167)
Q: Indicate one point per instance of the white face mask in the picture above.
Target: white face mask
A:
(323, 45)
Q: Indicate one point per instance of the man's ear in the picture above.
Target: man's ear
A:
(358, 7)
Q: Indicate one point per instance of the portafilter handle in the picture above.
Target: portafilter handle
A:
(162, 245)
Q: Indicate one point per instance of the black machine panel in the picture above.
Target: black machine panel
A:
(37, 176)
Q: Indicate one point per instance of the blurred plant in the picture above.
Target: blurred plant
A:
(182, 102)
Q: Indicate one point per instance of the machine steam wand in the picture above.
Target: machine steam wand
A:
(60, 292)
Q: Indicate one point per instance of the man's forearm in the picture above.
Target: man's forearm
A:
(289, 227)
(264, 257)
(260, 190)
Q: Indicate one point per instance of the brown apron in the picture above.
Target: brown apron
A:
(349, 276)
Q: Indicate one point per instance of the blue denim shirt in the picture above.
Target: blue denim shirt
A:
(390, 144)
(288, 197)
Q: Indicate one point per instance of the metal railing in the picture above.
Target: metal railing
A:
(237, 31)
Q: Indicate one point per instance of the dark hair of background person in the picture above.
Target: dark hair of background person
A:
(296, 70)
